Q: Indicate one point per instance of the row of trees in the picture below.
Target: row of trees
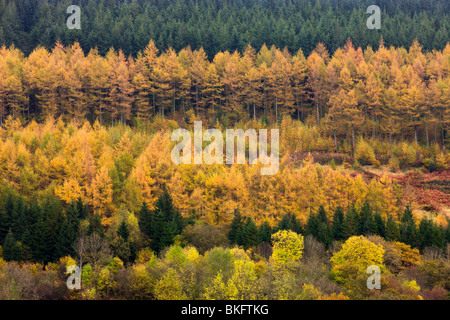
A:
(426, 233)
(221, 25)
(388, 92)
(40, 233)
(47, 232)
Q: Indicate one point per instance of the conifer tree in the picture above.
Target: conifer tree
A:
(236, 228)
(380, 225)
(392, 230)
(295, 225)
(123, 231)
(145, 220)
(11, 250)
(285, 223)
(338, 228)
(351, 222)
(408, 230)
(265, 232)
(95, 225)
(250, 234)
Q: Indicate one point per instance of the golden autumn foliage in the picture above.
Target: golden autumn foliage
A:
(110, 167)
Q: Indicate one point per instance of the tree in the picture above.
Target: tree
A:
(11, 250)
(101, 191)
(236, 228)
(356, 255)
(250, 234)
(123, 231)
(392, 230)
(145, 220)
(287, 247)
(338, 228)
(66, 239)
(265, 232)
(167, 222)
(408, 230)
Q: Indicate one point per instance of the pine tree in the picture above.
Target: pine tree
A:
(351, 222)
(285, 223)
(95, 225)
(366, 222)
(236, 228)
(145, 220)
(392, 230)
(11, 250)
(250, 234)
(41, 245)
(380, 225)
(265, 232)
(123, 231)
(408, 230)
(66, 239)
(295, 225)
(167, 222)
(338, 229)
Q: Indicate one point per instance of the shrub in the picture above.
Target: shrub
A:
(405, 153)
(394, 164)
(364, 153)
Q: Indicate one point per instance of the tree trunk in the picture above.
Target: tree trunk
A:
(426, 131)
(318, 114)
(335, 140)
(353, 139)
(373, 125)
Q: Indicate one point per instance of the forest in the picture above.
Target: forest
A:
(221, 25)
(87, 177)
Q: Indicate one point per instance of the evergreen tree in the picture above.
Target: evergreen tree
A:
(167, 222)
(380, 227)
(11, 250)
(338, 229)
(392, 230)
(250, 234)
(123, 231)
(366, 222)
(145, 220)
(66, 239)
(236, 228)
(41, 245)
(285, 223)
(95, 225)
(3, 227)
(351, 222)
(265, 232)
(312, 225)
(18, 223)
(295, 224)
(408, 230)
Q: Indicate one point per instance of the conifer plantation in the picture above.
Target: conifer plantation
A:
(86, 171)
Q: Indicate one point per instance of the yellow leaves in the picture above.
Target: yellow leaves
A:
(58, 169)
(219, 290)
(70, 190)
(169, 287)
(101, 195)
(287, 247)
(356, 255)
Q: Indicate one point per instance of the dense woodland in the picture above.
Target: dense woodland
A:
(391, 92)
(85, 152)
(218, 25)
